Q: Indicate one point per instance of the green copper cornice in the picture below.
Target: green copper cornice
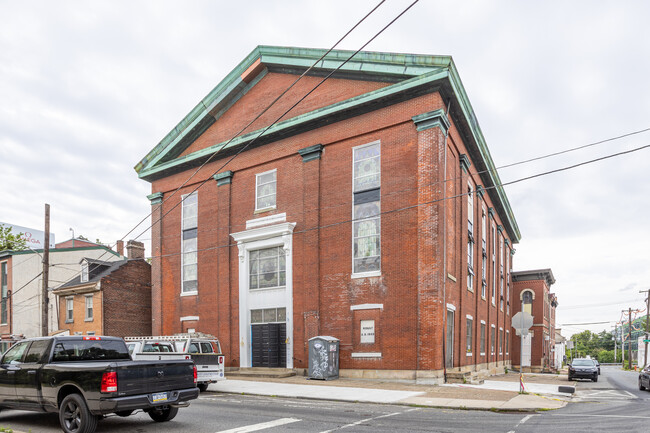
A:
(432, 119)
(410, 75)
(155, 198)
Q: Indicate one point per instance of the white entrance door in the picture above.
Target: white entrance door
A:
(525, 348)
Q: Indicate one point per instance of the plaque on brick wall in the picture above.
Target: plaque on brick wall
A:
(367, 331)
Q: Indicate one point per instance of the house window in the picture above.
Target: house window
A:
(265, 190)
(483, 255)
(84, 271)
(189, 233)
(469, 322)
(267, 268)
(366, 225)
(69, 302)
(482, 338)
(527, 300)
(500, 341)
(269, 315)
(4, 284)
(494, 265)
(501, 276)
(492, 339)
(470, 237)
(89, 308)
(507, 342)
(507, 282)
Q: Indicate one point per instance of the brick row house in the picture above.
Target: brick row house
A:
(371, 212)
(21, 285)
(532, 294)
(108, 298)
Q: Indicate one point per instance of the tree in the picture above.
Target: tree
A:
(11, 241)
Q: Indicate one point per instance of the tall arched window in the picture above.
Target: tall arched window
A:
(527, 299)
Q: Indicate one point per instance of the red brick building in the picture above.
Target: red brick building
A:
(531, 291)
(370, 212)
(108, 298)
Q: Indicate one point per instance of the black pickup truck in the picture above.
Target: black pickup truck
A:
(84, 378)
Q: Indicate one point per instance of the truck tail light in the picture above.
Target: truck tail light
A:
(221, 360)
(92, 338)
(194, 368)
(109, 381)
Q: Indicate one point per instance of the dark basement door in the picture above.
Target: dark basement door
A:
(269, 345)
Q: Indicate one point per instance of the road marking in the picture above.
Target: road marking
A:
(523, 420)
(611, 394)
(261, 426)
(369, 419)
(601, 416)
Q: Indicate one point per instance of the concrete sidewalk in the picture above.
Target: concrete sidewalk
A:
(492, 395)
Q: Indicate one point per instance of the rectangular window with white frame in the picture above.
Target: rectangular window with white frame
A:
(469, 331)
(366, 224)
(501, 276)
(493, 337)
(470, 237)
(494, 264)
(89, 308)
(483, 254)
(482, 338)
(508, 281)
(500, 341)
(265, 190)
(189, 244)
(69, 310)
(267, 268)
(84, 271)
(507, 342)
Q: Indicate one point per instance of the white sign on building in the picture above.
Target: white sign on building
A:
(367, 331)
(35, 239)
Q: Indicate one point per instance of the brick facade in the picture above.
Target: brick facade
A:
(424, 237)
(542, 308)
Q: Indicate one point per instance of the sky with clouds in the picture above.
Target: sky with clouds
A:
(88, 88)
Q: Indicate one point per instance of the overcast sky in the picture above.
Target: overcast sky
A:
(88, 88)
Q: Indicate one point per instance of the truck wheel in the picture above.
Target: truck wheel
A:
(641, 387)
(75, 417)
(163, 413)
(203, 387)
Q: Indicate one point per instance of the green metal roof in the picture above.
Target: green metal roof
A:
(408, 75)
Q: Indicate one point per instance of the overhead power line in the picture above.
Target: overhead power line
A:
(280, 117)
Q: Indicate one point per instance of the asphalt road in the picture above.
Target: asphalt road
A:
(612, 404)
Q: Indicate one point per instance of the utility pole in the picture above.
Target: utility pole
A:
(629, 338)
(647, 325)
(46, 274)
(615, 333)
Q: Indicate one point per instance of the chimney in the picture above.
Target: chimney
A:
(134, 250)
(119, 246)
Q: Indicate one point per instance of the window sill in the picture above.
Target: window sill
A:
(264, 289)
(190, 293)
(88, 320)
(366, 355)
(266, 209)
(469, 354)
(483, 354)
(69, 321)
(366, 274)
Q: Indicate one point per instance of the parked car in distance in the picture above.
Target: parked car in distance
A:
(644, 378)
(84, 378)
(583, 368)
(597, 365)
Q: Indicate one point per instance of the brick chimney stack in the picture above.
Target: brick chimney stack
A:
(134, 250)
(119, 246)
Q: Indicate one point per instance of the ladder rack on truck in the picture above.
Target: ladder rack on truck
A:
(203, 349)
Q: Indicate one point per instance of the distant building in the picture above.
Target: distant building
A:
(560, 349)
(108, 298)
(531, 292)
(22, 283)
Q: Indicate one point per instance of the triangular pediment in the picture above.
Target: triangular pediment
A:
(260, 78)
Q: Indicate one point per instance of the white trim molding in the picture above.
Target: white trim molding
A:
(451, 307)
(366, 355)
(271, 219)
(367, 307)
(277, 235)
(190, 319)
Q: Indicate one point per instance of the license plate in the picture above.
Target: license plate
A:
(160, 396)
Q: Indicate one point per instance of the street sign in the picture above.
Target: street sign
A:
(522, 322)
(646, 341)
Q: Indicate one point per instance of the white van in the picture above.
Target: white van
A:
(203, 349)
